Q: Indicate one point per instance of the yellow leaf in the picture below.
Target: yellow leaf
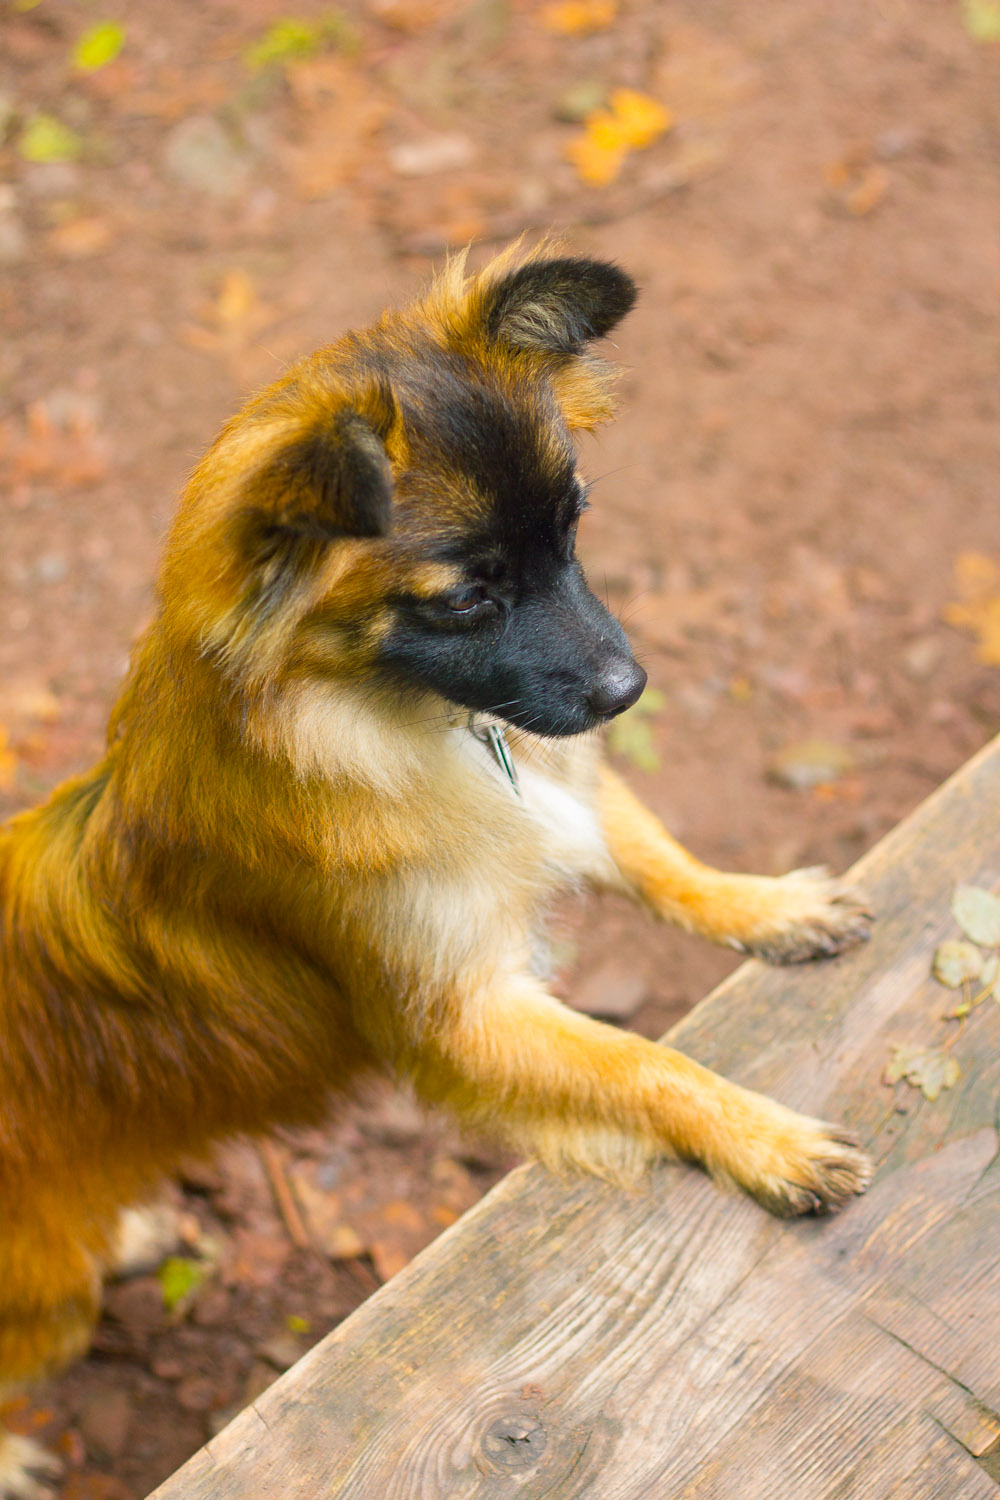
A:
(597, 159)
(633, 122)
(640, 120)
(78, 238)
(236, 298)
(44, 138)
(98, 46)
(978, 610)
(8, 764)
(578, 17)
(981, 19)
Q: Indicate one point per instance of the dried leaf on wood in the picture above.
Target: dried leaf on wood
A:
(988, 976)
(977, 912)
(955, 962)
(929, 1069)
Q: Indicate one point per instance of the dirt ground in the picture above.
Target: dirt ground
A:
(797, 512)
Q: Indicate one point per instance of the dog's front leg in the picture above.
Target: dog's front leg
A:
(512, 1061)
(783, 919)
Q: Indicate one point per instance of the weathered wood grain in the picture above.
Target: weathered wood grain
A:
(569, 1341)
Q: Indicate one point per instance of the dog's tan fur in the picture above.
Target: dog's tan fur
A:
(282, 876)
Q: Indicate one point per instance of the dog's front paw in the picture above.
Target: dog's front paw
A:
(795, 1165)
(807, 914)
(27, 1470)
(822, 1171)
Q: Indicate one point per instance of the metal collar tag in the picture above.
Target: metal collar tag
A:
(492, 736)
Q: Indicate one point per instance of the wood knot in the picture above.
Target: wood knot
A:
(515, 1442)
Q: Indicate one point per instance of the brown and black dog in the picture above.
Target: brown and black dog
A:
(352, 764)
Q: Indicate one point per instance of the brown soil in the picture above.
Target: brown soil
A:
(807, 445)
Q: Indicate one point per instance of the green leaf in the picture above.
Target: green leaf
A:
(631, 734)
(44, 138)
(981, 19)
(293, 38)
(98, 46)
(295, 1324)
(929, 1069)
(956, 962)
(179, 1279)
(977, 912)
(988, 975)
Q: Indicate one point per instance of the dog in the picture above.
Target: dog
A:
(353, 761)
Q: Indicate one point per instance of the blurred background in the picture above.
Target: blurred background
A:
(796, 514)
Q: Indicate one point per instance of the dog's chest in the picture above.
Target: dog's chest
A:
(564, 822)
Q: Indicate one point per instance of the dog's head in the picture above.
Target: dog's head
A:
(403, 506)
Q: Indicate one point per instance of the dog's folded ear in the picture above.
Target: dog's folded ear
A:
(556, 306)
(330, 479)
(333, 481)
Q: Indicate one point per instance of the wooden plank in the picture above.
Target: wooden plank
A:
(568, 1340)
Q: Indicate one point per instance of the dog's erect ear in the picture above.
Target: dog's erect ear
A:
(331, 480)
(557, 306)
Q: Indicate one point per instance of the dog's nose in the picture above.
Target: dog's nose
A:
(617, 690)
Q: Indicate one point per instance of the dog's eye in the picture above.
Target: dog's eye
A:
(466, 600)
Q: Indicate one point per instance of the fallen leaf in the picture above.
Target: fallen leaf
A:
(981, 19)
(59, 443)
(929, 1069)
(99, 45)
(856, 183)
(631, 734)
(46, 139)
(977, 610)
(292, 38)
(955, 962)
(8, 763)
(578, 17)
(402, 1232)
(323, 1212)
(341, 112)
(231, 321)
(78, 238)
(632, 122)
(179, 1280)
(977, 912)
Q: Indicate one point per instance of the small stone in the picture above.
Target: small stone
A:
(578, 101)
(281, 1351)
(921, 656)
(13, 239)
(890, 144)
(200, 154)
(196, 1393)
(51, 179)
(432, 154)
(104, 1421)
(809, 763)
